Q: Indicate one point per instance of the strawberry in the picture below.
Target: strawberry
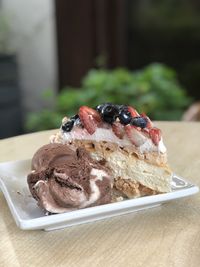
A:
(118, 129)
(133, 112)
(155, 135)
(135, 135)
(90, 118)
(149, 122)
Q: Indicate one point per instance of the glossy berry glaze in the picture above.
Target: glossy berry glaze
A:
(123, 120)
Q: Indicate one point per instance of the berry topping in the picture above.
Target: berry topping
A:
(118, 129)
(121, 107)
(133, 112)
(139, 122)
(90, 118)
(124, 120)
(135, 135)
(124, 116)
(149, 122)
(100, 107)
(76, 120)
(75, 117)
(68, 126)
(155, 135)
(109, 113)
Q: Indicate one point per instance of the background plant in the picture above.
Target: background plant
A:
(154, 90)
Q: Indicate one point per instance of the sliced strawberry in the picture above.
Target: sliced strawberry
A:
(133, 112)
(145, 131)
(135, 135)
(155, 135)
(90, 118)
(149, 122)
(118, 129)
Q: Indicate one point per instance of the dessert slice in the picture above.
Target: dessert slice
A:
(126, 142)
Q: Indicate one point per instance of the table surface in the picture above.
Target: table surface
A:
(165, 236)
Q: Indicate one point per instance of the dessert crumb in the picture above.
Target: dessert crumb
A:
(118, 199)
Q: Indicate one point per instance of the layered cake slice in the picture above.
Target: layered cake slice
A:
(123, 140)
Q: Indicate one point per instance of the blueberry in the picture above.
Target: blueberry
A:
(68, 126)
(125, 116)
(139, 122)
(109, 113)
(100, 107)
(74, 118)
(109, 119)
(122, 107)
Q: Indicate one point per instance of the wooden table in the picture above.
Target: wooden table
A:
(164, 236)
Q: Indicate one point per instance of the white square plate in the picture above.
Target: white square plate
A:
(29, 216)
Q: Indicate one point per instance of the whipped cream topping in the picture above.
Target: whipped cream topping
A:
(106, 134)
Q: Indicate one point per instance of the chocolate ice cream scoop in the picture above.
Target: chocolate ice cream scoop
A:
(63, 179)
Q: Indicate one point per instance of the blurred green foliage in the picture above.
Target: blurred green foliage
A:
(154, 90)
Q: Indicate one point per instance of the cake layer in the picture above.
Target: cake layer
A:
(146, 169)
(106, 134)
(132, 189)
